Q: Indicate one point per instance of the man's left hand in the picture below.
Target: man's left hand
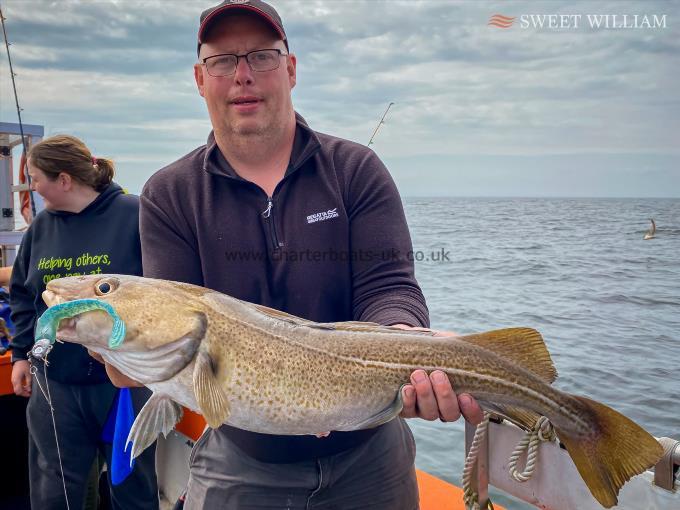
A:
(432, 396)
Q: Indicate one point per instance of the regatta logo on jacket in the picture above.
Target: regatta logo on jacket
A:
(323, 216)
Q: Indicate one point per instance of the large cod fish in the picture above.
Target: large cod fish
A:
(265, 371)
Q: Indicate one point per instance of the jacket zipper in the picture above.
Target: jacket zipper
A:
(268, 215)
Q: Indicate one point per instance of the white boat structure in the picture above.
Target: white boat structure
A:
(556, 484)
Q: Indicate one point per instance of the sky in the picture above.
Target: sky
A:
(479, 110)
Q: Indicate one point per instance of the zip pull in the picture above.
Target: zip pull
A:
(268, 211)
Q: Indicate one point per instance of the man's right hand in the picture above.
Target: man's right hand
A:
(22, 378)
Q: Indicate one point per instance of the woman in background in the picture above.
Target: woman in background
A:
(89, 226)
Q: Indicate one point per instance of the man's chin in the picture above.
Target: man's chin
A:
(249, 130)
(252, 126)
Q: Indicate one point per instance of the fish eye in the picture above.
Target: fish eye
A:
(105, 287)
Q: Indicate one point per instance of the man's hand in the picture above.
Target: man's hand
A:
(431, 397)
(118, 379)
(21, 378)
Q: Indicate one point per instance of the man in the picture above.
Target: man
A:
(274, 213)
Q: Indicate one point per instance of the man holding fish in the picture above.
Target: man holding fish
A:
(221, 216)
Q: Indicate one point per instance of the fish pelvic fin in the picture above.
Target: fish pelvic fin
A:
(159, 415)
(210, 396)
(617, 450)
(522, 346)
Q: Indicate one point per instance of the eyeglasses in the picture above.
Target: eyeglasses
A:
(258, 60)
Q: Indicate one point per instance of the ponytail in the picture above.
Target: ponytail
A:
(105, 171)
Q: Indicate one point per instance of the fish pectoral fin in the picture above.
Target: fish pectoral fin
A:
(616, 450)
(523, 346)
(209, 394)
(159, 415)
(387, 414)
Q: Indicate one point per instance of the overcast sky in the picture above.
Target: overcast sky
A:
(479, 110)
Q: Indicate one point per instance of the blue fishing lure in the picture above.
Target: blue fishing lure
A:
(50, 319)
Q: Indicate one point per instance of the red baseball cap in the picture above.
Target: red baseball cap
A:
(257, 7)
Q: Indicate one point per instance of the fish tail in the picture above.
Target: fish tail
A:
(617, 450)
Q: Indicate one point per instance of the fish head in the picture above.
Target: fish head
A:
(162, 322)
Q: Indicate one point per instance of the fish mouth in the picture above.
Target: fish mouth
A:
(67, 330)
(52, 298)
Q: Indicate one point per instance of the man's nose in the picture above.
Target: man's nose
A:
(243, 74)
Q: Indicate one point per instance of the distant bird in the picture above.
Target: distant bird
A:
(652, 230)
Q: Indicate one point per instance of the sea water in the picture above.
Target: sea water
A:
(606, 301)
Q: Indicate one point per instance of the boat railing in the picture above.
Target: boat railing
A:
(555, 483)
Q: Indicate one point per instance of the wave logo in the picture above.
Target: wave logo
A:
(500, 21)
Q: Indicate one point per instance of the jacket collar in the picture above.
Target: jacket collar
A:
(305, 145)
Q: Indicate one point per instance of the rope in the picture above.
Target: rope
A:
(542, 431)
(471, 497)
(48, 397)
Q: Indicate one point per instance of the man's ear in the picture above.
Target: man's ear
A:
(198, 76)
(291, 66)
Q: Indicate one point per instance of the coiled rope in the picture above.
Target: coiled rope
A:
(542, 431)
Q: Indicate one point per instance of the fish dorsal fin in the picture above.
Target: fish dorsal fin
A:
(210, 396)
(522, 346)
(283, 316)
(370, 327)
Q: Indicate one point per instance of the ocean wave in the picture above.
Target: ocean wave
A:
(635, 300)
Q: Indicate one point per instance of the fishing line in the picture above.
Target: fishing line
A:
(48, 397)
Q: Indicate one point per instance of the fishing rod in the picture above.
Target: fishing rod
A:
(382, 121)
(16, 100)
